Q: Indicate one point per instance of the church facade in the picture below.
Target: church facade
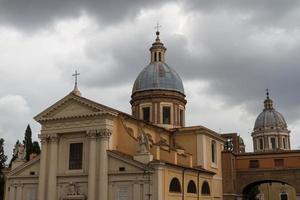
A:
(91, 151)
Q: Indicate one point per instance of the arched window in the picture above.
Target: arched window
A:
(192, 188)
(175, 185)
(205, 188)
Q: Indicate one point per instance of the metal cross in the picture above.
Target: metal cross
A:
(76, 76)
(157, 27)
(267, 92)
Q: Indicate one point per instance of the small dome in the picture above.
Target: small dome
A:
(270, 118)
(158, 75)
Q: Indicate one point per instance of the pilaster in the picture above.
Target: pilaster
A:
(104, 136)
(43, 166)
(19, 192)
(52, 183)
(92, 136)
(12, 192)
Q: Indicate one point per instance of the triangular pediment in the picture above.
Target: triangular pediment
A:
(119, 160)
(73, 106)
(27, 168)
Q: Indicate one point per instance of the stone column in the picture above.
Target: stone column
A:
(52, 182)
(43, 166)
(92, 135)
(104, 135)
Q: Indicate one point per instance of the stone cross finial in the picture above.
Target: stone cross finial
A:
(157, 27)
(76, 76)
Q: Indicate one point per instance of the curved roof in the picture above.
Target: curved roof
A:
(270, 118)
(158, 75)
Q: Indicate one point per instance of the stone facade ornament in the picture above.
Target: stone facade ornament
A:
(101, 133)
(20, 152)
(72, 189)
(54, 138)
(92, 134)
(104, 133)
(143, 144)
(43, 138)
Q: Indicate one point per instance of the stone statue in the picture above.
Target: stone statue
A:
(20, 152)
(144, 144)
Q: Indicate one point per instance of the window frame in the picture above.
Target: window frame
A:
(165, 104)
(181, 116)
(271, 145)
(175, 180)
(278, 162)
(214, 157)
(82, 156)
(149, 113)
(252, 165)
(261, 143)
(192, 186)
(203, 192)
(141, 114)
(283, 193)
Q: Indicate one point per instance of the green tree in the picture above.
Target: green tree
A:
(36, 147)
(3, 159)
(252, 195)
(14, 155)
(28, 142)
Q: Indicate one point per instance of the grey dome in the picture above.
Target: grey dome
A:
(158, 75)
(270, 118)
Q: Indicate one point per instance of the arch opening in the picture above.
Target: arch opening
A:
(269, 189)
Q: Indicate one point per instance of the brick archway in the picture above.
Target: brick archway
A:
(246, 179)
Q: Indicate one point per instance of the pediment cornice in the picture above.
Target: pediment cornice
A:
(72, 107)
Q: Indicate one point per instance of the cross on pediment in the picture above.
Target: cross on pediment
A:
(76, 77)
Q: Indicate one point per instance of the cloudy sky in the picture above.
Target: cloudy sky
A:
(227, 53)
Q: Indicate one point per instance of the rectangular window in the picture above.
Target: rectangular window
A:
(253, 164)
(284, 143)
(213, 152)
(146, 114)
(261, 143)
(273, 143)
(181, 117)
(279, 162)
(166, 115)
(283, 197)
(75, 156)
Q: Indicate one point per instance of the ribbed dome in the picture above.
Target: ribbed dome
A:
(270, 118)
(158, 75)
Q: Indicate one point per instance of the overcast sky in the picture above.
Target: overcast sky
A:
(226, 52)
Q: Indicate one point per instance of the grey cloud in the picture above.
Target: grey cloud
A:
(261, 11)
(37, 14)
(234, 61)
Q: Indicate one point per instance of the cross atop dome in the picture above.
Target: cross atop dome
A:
(267, 93)
(157, 29)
